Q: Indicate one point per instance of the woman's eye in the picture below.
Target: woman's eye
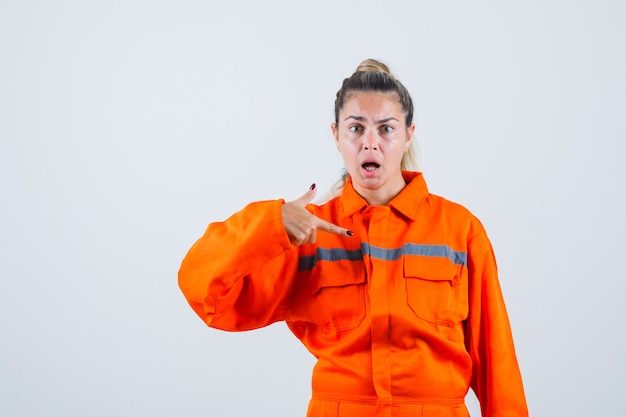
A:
(386, 129)
(356, 129)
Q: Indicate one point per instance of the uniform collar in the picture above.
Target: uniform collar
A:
(407, 202)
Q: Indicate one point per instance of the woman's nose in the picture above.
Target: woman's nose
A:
(370, 141)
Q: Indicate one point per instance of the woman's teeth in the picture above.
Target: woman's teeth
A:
(370, 166)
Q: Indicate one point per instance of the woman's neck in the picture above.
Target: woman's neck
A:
(380, 196)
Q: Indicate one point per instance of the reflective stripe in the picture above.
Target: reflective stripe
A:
(306, 263)
(321, 254)
(439, 251)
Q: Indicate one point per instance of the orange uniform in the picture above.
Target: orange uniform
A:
(403, 317)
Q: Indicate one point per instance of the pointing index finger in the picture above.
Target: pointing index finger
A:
(325, 226)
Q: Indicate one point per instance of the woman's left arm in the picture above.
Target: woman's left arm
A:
(496, 378)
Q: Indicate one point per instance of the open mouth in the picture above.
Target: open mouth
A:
(370, 166)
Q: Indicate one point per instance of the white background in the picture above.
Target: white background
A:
(127, 126)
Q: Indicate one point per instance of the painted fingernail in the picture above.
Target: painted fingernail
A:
(350, 233)
(312, 187)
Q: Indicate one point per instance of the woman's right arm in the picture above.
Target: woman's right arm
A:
(238, 274)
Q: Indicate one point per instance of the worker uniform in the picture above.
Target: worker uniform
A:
(403, 317)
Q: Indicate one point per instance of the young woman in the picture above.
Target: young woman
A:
(394, 290)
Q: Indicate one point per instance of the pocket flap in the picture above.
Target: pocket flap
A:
(431, 269)
(339, 275)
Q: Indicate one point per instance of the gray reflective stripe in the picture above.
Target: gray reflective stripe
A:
(439, 251)
(321, 254)
(306, 263)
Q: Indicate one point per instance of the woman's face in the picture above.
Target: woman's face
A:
(372, 136)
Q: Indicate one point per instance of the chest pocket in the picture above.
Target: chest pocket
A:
(436, 290)
(333, 297)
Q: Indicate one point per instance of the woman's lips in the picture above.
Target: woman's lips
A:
(370, 168)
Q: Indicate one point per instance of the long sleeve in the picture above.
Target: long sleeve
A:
(238, 274)
(496, 378)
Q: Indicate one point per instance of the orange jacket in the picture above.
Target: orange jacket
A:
(403, 317)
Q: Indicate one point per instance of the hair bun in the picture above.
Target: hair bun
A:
(372, 65)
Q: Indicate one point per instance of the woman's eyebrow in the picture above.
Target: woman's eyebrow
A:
(361, 119)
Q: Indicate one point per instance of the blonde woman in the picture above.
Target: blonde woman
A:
(394, 290)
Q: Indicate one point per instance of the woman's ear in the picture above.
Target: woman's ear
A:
(409, 136)
(335, 130)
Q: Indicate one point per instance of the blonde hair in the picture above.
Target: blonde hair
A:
(374, 75)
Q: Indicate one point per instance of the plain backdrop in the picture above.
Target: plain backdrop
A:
(127, 126)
